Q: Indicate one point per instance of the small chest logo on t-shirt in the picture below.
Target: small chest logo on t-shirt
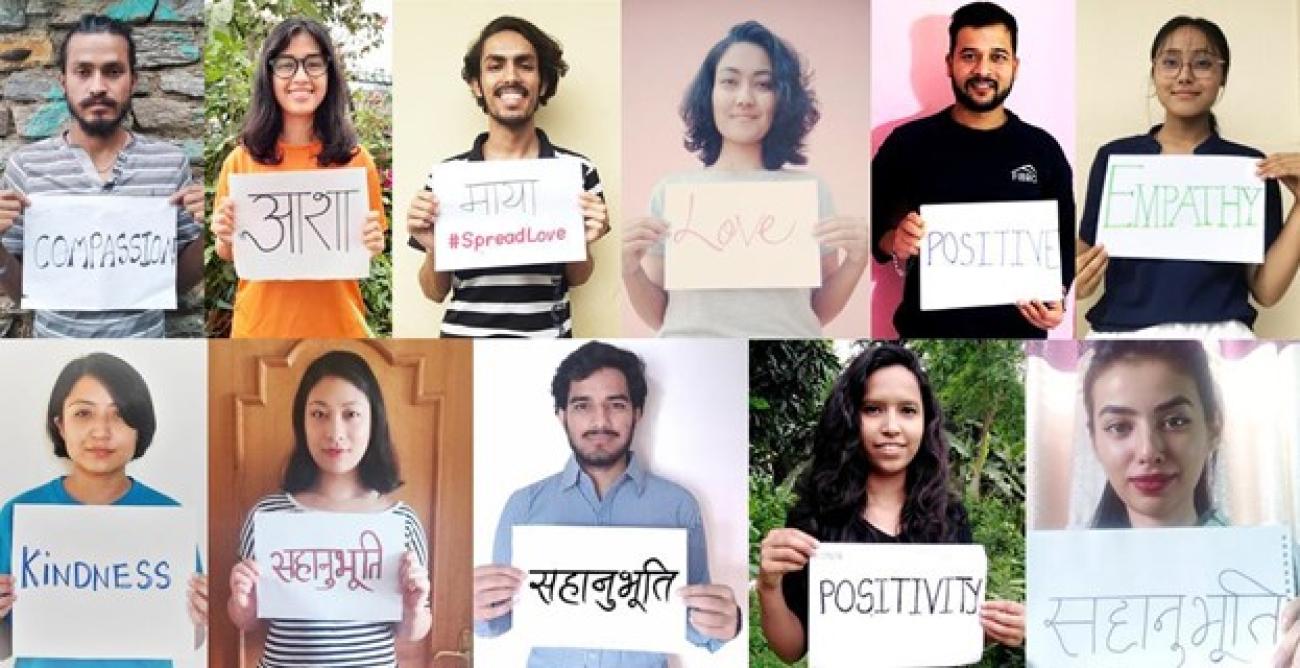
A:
(1025, 174)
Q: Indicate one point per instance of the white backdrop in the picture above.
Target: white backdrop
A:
(693, 432)
(175, 463)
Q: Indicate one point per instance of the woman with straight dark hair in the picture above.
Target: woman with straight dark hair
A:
(342, 462)
(747, 113)
(298, 121)
(1157, 299)
(100, 417)
(879, 474)
(1155, 422)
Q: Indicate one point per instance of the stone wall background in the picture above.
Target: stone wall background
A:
(167, 102)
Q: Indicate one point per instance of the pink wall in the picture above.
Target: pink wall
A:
(664, 42)
(909, 80)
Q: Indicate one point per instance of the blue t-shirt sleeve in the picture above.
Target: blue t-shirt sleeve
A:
(501, 555)
(697, 566)
(6, 538)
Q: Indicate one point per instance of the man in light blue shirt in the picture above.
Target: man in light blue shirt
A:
(600, 391)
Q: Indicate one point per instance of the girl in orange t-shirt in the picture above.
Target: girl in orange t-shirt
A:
(298, 120)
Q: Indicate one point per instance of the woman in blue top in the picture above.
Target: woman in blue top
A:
(1183, 298)
(100, 418)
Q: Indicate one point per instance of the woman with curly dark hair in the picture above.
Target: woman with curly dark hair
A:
(879, 475)
(747, 114)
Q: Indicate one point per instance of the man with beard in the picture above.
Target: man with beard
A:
(98, 155)
(973, 151)
(512, 69)
(599, 392)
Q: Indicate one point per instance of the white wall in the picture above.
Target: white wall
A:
(175, 463)
(693, 433)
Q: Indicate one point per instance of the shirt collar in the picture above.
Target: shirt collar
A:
(545, 149)
(1206, 146)
(572, 473)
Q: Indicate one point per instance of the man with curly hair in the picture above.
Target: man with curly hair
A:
(512, 69)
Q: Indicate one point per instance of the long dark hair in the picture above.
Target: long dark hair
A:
(264, 121)
(796, 106)
(1186, 356)
(1213, 34)
(378, 468)
(833, 491)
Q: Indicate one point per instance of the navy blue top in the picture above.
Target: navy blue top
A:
(1144, 293)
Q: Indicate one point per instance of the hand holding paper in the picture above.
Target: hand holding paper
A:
(1004, 622)
(372, 234)
(1092, 265)
(595, 217)
(12, 204)
(783, 551)
(847, 234)
(198, 599)
(190, 198)
(421, 217)
(907, 236)
(495, 588)
(6, 595)
(713, 610)
(1284, 167)
(639, 235)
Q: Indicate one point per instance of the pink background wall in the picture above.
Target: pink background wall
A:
(909, 80)
(664, 42)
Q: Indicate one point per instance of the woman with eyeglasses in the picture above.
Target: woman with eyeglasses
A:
(298, 120)
(1188, 298)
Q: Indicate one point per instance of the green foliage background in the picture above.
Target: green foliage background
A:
(236, 29)
(980, 385)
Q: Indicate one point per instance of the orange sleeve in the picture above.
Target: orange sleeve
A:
(223, 179)
(376, 187)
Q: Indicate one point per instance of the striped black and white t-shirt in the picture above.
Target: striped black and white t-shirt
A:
(144, 168)
(528, 301)
(294, 643)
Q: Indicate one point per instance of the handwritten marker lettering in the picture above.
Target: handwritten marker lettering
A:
(733, 227)
(485, 197)
(1007, 247)
(303, 218)
(99, 250)
(42, 569)
(635, 588)
(954, 595)
(360, 564)
(1133, 202)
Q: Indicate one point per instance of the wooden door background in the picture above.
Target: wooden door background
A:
(428, 392)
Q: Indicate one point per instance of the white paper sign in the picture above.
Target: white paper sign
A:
(505, 213)
(1157, 597)
(908, 605)
(329, 566)
(990, 253)
(301, 225)
(99, 252)
(601, 587)
(1182, 207)
(102, 582)
(741, 234)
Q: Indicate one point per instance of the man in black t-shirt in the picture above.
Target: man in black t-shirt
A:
(973, 151)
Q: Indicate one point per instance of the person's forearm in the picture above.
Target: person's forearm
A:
(435, 284)
(830, 298)
(11, 280)
(225, 251)
(579, 272)
(189, 266)
(245, 619)
(1272, 279)
(414, 628)
(648, 299)
(782, 628)
(886, 244)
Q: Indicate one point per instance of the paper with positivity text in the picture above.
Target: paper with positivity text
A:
(601, 587)
(301, 225)
(990, 254)
(102, 582)
(907, 605)
(499, 213)
(741, 234)
(1182, 207)
(1157, 597)
(99, 252)
(329, 566)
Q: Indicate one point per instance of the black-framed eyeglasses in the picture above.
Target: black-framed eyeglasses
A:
(285, 67)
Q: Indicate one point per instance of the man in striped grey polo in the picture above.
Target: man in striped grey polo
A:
(97, 155)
